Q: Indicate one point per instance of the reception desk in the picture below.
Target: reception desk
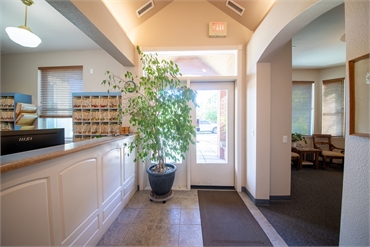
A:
(66, 195)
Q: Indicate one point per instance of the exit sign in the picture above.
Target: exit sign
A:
(217, 29)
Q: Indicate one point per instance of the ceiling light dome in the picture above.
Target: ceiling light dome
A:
(23, 35)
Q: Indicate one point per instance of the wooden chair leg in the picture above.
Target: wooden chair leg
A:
(323, 162)
(297, 164)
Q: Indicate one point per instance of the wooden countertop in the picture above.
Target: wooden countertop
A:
(15, 161)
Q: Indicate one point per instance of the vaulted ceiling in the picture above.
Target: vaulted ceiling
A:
(125, 11)
(318, 45)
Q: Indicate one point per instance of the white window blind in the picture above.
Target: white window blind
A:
(302, 110)
(56, 87)
(333, 107)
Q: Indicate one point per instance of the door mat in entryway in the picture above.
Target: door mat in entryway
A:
(226, 221)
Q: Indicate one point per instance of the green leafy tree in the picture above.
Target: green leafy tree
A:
(158, 105)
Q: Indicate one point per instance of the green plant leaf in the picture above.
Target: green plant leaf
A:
(158, 108)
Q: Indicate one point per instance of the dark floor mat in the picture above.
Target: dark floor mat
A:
(226, 221)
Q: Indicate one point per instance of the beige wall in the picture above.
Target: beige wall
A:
(19, 72)
(182, 30)
(273, 101)
(356, 184)
(251, 141)
(191, 32)
(188, 33)
(281, 119)
(102, 19)
(266, 45)
(262, 132)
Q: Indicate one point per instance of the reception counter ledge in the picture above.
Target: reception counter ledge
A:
(18, 160)
(65, 195)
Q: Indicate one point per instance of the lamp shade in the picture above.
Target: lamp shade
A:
(23, 35)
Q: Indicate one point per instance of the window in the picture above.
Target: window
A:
(55, 96)
(202, 62)
(302, 107)
(333, 107)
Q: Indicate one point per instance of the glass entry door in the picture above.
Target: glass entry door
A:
(212, 157)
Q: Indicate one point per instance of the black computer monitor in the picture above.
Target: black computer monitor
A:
(15, 141)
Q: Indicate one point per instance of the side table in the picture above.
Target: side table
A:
(316, 152)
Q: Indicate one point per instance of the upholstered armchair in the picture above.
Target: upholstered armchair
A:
(323, 142)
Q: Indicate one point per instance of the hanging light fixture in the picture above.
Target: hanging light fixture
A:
(23, 35)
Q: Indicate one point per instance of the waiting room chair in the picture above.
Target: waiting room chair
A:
(323, 142)
(295, 158)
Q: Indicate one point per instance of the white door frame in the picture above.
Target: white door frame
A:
(224, 174)
(240, 115)
(237, 127)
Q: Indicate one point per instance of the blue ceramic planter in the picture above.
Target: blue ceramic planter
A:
(161, 183)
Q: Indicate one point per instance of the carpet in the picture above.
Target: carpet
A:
(226, 221)
(312, 216)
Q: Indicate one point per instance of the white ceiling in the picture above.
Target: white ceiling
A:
(54, 30)
(317, 45)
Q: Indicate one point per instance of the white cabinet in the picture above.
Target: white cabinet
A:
(8, 103)
(70, 200)
(25, 212)
(95, 115)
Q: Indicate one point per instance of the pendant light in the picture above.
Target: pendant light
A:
(23, 35)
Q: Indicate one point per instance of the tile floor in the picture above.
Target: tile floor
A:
(174, 223)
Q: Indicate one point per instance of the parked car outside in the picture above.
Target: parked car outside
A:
(206, 126)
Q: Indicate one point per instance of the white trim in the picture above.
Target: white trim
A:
(239, 117)
(190, 48)
(188, 157)
(224, 174)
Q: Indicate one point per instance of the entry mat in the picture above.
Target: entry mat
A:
(226, 220)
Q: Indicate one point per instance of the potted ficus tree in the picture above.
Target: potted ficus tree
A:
(158, 107)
